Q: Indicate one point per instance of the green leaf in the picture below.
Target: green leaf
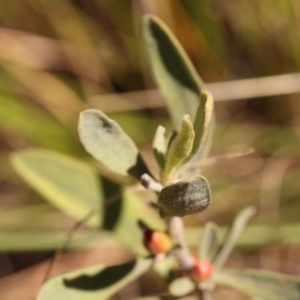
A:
(106, 141)
(50, 241)
(160, 146)
(67, 183)
(181, 146)
(263, 285)
(98, 282)
(184, 197)
(172, 70)
(181, 287)
(238, 226)
(254, 236)
(76, 189)
(209, 242)
(202, 121)
(206, 146)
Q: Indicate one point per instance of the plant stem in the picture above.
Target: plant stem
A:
(183, 255)
(204, 295)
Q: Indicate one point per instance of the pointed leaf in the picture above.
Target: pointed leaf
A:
(67, 183)
(254, 236)
(209, 242)
(206, 146)
(172, 70)
(160, 146)
(202, 121)
(184, 197)
(106, 141)
(263, 285)
(98, 282)
(181, 287)
(238, 226)
(181, 146)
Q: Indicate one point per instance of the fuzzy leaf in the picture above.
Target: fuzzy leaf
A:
(206, 146)
(181, 287)
(238, 226)
(263, 285)
(202, 121)
(98, 282)
(106, 141)
(67, 183)
(76, 189)
(209, 242)
(172, 70)
(160, 146)
(181, 146)
(184, 197)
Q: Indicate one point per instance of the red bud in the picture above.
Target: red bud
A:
(157, 242)
(202, 270)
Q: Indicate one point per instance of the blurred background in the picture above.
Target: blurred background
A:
(59, 57)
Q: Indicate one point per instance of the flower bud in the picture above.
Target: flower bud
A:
(202, 270)
(157, 241)
(184, 197)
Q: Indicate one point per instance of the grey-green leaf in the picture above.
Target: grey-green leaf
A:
(106, 141)
(206, 146)
(181, 287)
(209, 242)
(263, 285)
(172, 70)
(69, 184)
(202, 121)
(185, 197)
(97, 282)
(238, 226)
(160, 146)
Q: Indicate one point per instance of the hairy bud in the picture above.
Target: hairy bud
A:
(184, 197)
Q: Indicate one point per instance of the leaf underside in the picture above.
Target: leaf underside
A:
(92, 283)
(106, 141)
(209, 242)
(67, 183)
(172, 70)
